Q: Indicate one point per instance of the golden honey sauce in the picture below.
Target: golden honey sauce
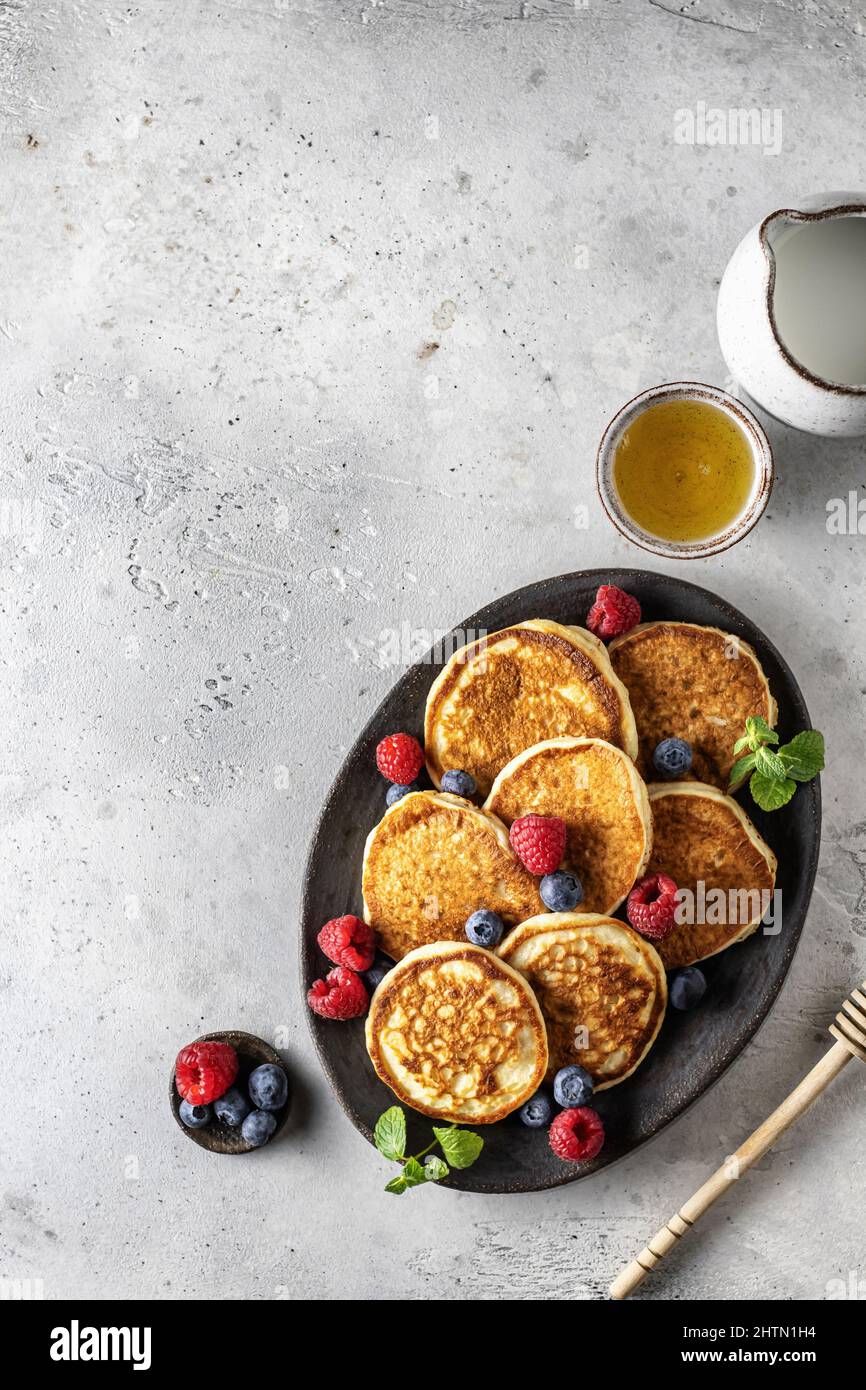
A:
(684, 470)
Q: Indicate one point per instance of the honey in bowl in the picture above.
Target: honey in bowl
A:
(684, 470)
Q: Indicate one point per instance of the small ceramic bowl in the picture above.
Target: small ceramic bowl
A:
(758, 497)
(220, 1138)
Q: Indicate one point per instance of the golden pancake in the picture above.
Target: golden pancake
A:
(457, 1034)
(695, 683)
(702, 837)
(601, 987)
(512, 689)
(432, 860)
(596, 789)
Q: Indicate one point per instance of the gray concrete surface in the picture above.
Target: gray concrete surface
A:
(311, 317)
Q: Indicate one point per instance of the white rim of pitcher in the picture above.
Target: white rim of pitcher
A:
(758, 499)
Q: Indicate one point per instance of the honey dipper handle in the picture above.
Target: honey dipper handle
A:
(733, 1168)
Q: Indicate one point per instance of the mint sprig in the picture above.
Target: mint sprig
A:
(461, 1147)
(757, 733)
(804, 755)
(771, 793)
(774, 771)
(389, 1135)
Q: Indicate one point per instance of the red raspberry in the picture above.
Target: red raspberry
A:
(538, 842)
(348, 941)
(204, 1071)
(613, 612)
(400, 758)
(341, 994)
(577, 1135)
(652, 905)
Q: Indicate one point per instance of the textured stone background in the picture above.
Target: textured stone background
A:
(311, 317)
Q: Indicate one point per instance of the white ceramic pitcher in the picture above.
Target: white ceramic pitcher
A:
(750, 343)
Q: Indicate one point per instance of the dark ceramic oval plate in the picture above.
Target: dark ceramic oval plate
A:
(693, 1049)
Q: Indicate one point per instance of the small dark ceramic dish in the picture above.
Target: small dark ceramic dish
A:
(252, 1052)
(693, 1049)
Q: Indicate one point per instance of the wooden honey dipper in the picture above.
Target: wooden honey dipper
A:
(849, 1030)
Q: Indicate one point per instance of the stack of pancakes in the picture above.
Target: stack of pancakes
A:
(548, 720)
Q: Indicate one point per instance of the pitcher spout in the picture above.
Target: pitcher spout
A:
(819, 208)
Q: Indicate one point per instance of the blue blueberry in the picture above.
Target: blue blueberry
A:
(560, 892)
(458, 783)
(232, 1107)
(378, 970)
(258, 1127)
(397, 791)
(687, 987)
(572, 1086)
(195, 1116)
(536, 1113)
(672, 757)
(268, 1087)
(484, 928)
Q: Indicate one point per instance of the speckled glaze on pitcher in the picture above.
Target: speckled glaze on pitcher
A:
(755, 354)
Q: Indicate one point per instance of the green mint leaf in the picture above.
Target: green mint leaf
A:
(758, 732)
(413, 1173)
(741, 769)
(435, 1168)
(803, 757)
(741, 743)
(769, 764)
(771, 792)
(461, 1147)
(389, 1136)
(397, 1185)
